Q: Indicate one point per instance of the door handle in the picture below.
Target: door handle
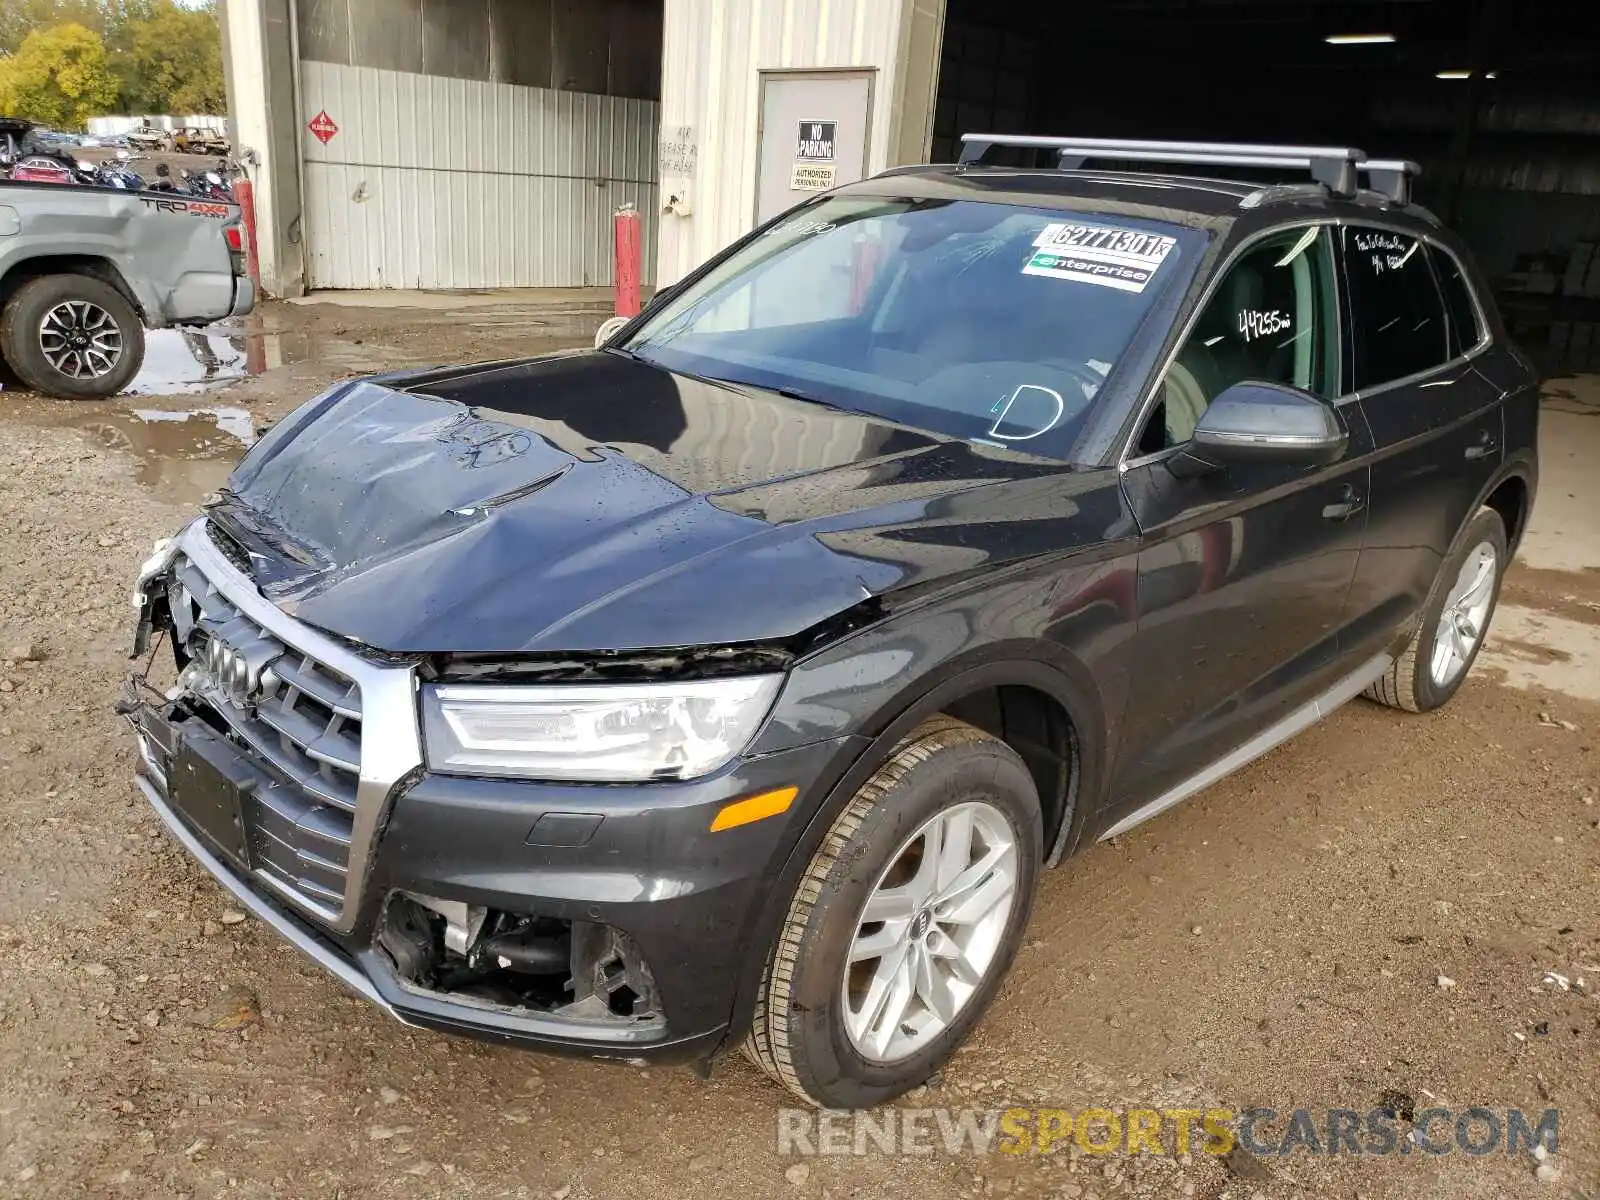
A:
(1349, 504)
(1487, 445)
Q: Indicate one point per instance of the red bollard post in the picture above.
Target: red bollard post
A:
(629, 251)
(244, 193)
(864, 256)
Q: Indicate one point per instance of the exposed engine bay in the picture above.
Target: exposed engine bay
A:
(573, 969)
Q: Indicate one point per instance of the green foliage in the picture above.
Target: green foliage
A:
(172, 61)
(59, 76)
(161, 58)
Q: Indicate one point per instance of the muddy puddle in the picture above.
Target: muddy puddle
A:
(180, 362)
(182, 455)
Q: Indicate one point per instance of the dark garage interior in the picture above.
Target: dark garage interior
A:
(1498, 100)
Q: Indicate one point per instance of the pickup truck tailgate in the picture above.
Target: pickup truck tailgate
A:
(171, 251)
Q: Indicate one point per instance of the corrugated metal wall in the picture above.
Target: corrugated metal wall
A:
(480, 143)
(107, 127)
(608, 47)
(434, 182)
(710, 83)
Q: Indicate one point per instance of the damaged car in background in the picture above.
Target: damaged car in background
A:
(85, 270)
(731, 683)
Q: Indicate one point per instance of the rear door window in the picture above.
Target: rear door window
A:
(1397, 315)
(1466, 331)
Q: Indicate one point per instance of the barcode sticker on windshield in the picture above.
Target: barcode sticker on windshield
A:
(1126, 259)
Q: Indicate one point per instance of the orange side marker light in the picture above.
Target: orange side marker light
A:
(754, 808)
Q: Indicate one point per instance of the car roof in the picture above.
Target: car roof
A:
(1200, 202)
(1186, 199)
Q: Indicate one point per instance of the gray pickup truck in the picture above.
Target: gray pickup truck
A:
(84, 270)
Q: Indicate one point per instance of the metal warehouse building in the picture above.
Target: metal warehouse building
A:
(486, 143)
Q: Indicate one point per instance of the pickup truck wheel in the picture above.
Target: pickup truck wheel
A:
(1455, 620)
(71, 336)
(905, 922)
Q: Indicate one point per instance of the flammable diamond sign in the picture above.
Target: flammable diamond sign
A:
(322, 127)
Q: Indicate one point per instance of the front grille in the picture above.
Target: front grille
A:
(231, 549)
(300, 718)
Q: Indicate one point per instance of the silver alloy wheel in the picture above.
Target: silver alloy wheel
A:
(80, 339)
(930, 931)
(1466, 612)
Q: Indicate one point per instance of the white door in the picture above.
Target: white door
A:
(814, 131)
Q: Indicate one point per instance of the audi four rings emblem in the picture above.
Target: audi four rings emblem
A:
(233, 674)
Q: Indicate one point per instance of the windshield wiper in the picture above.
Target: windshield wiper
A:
(633, 356)
(784, 390)
(797, 394)
(742, 386)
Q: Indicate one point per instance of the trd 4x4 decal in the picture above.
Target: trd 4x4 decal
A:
(193, 208)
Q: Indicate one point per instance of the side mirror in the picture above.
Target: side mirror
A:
(612, 324)
(1259, 422)
(608, 327)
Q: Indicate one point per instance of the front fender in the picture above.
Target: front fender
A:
(880, 683)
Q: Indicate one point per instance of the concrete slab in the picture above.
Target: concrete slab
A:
(564, 299)
(1556, 647)
(1564, 534)
(1537, 649)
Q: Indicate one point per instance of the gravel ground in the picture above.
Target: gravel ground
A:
(1369, 911)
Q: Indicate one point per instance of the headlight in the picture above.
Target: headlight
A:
(608, 732)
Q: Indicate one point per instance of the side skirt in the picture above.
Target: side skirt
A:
(1306, 715)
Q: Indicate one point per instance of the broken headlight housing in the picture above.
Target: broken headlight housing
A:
(605, 733)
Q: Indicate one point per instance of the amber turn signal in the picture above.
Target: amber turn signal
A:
(754, 808)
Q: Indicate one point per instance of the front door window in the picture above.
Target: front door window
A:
(1272, 317)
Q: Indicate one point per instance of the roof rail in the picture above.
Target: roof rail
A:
(1390, 180)
(1334, 166)
(1392, 177)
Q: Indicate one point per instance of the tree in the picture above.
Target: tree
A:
(58, 76)
(19, 18)
(166, 58)
(170, 58)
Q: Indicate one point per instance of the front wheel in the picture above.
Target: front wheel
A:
(1454, 621)
(905, 922)
(71, 336)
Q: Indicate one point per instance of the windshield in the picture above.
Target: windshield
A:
(989, 322)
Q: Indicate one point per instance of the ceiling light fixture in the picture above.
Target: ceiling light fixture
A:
(1461, 75)
(1359, 39)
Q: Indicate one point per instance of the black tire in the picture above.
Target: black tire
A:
(799, 1037)
(1409, 684)
(23, 348)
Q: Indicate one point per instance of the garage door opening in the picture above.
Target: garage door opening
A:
(475, 143)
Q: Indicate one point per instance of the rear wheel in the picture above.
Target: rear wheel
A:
(71, 336)
(1454, 621)
(905, 922)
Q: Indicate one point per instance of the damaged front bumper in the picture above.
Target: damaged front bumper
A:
(602, 920)
(649, 872)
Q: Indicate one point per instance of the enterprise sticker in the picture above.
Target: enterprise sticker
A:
(1126, 259)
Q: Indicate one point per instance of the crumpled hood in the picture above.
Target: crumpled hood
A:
(586, 501)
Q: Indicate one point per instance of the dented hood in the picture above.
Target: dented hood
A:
(586, 501)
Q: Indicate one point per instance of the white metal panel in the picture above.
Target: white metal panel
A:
(116, 126)
(433, 182)
(713, 54)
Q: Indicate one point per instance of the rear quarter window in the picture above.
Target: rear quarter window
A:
(1466, 329)
(1397, 314)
